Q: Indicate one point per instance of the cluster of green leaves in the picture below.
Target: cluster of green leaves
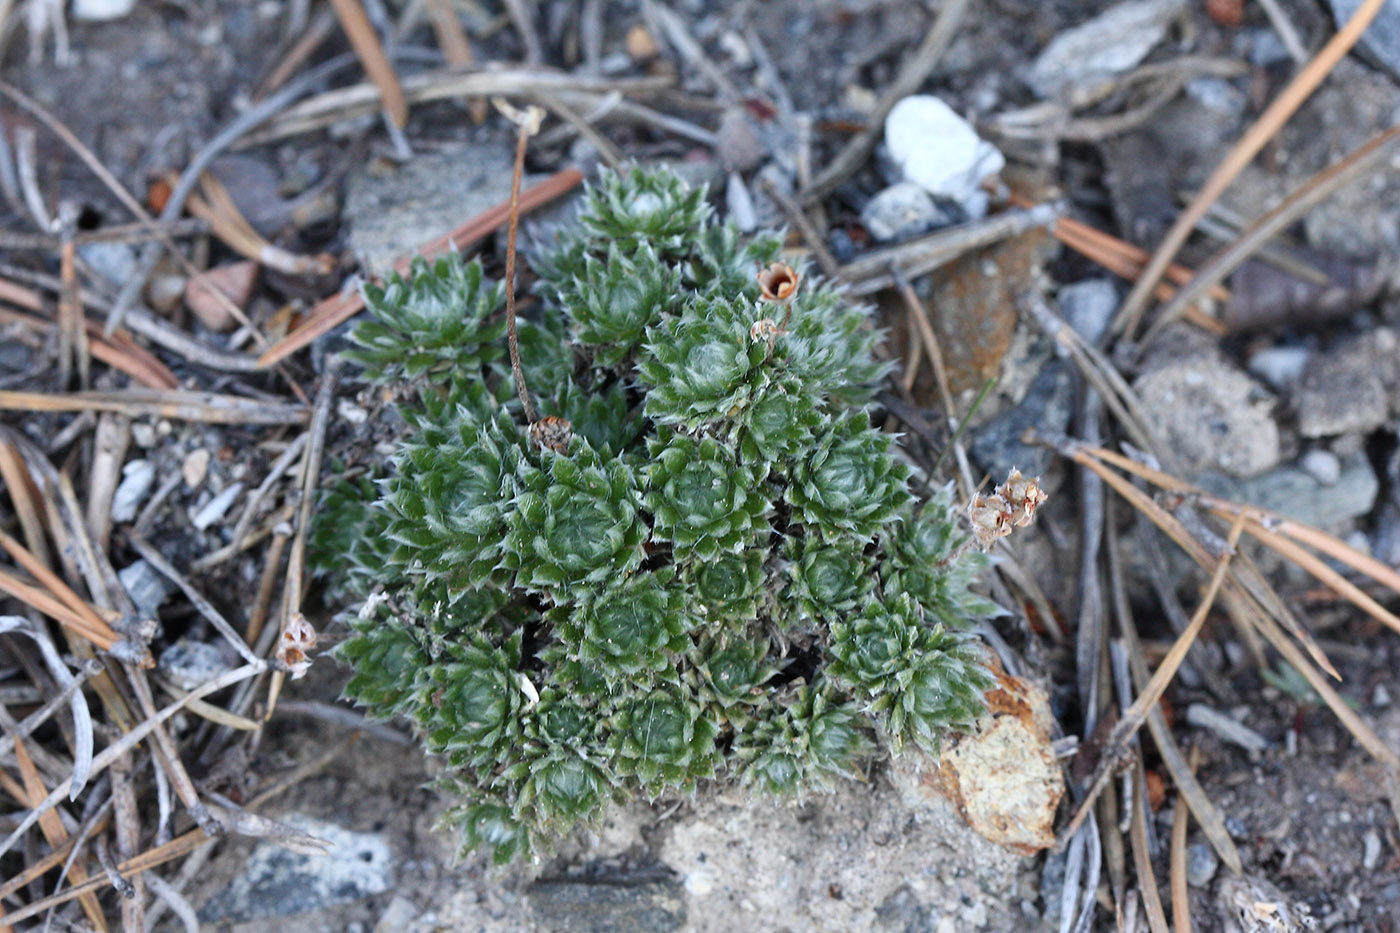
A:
(724, 576)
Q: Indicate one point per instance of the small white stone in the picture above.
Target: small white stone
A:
(1380, 697)
(899, 212)
(941, 152)
(1371, 854)
(195, 467)
(97, 11)
(1322, 465)
(216, 507)
(701, 880)
(137, 478)
(143, 434)
(350, 413)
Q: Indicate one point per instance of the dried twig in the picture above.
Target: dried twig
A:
(528, 124)
(360, 99)
(125, 744)
(870, 273)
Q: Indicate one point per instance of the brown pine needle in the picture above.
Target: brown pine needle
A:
(365, 42)
(1244, 151)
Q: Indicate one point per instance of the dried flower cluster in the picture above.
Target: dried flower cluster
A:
(1011, 505)
(702, 564)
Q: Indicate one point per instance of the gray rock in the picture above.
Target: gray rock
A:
(1219, 95)
(392, 212)
(777, 866)
(1089, 307)
(137, 478)
(1107, 45)
(1280, 367)
(901, 211)
(611, 904)
(115, 262)
(147, 588)
(1201, 864)
(276, 882)
(997, 445)
(738, 145)
(1212, 415)
(1292, 491)
(1381, 40)
(1349, 388)
(1322, 465)
(932, 146)
(190, 663)
(901, 912)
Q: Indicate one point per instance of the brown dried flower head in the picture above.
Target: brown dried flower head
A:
(778, 282)
(1024, 496)
(1011, 505)
(553, 432)
(763, 329)
(298, 638)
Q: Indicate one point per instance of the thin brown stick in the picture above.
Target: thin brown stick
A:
(920, 317)
(529, 124)
(54, 833)
(333, 311)
(451, 37)
(118, 351)
(365, 41)
(1244, 151)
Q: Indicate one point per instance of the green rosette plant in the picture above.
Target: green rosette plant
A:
(699, 562)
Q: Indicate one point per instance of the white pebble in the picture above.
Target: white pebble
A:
(941, 152)
(97, 11)
(216, 507)
(137, 478)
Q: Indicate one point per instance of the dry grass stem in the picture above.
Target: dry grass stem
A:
(1181, 898)
(871, 272)
(1142, 858)
(346, 103)
(181, 405)
(1136, 714)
